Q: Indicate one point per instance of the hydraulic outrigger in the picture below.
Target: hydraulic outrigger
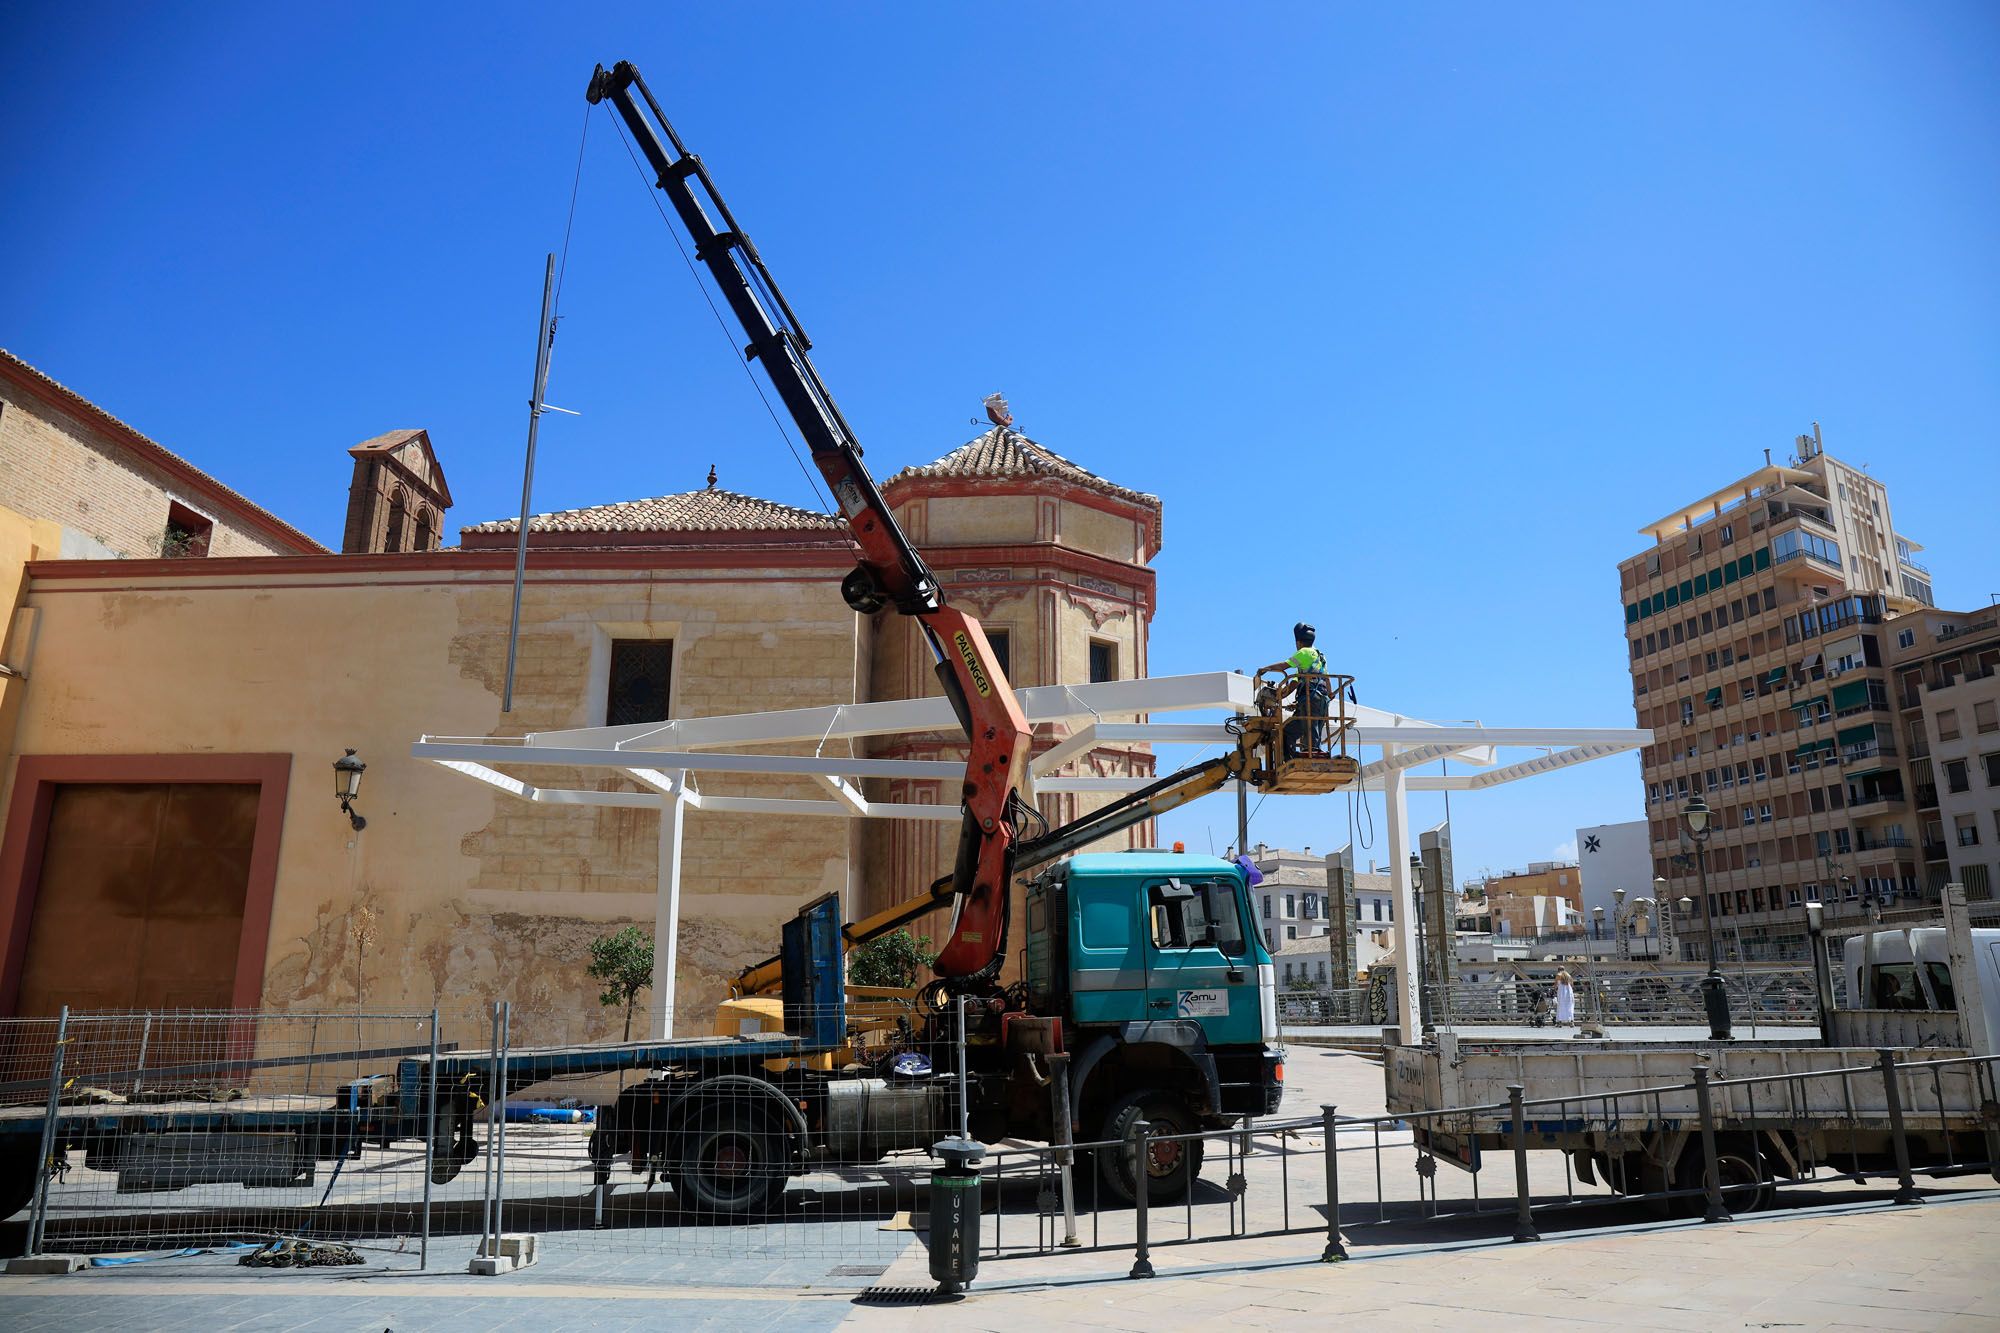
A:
(991, 850)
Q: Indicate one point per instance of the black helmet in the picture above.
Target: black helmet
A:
(1304, 634)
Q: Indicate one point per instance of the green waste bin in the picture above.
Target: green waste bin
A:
(954, 1232)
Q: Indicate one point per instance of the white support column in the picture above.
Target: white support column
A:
(667, 911)
(1409, 967)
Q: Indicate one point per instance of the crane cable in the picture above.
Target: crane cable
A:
(825, 504)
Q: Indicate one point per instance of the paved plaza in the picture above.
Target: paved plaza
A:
(1868, 1266)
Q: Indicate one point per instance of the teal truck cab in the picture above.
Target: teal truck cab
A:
(1163, 994)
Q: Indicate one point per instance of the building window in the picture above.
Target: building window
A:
(426, 532)
(187, 533)
(1905, 638)
(1003, 652)
(1267, 907)
(1378, 909)
(642, 672)
(1103, 661)
(1948, 724)
(1968, 830)
(1992, 762)
(1291, 932)
(1986, 716)
(1291, 904)
(392, 535)
(1955, 779)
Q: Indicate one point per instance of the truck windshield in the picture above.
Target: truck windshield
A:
(1192, 915)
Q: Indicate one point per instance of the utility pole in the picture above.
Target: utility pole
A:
(545, 341)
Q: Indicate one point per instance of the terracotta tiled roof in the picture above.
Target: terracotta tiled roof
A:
(1005, 453)
(385, 442)
(246, 510)
(690, 511)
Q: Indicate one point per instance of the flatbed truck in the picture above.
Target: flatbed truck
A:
(1917, 996)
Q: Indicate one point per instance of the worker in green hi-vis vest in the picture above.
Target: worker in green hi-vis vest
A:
(1312, 696)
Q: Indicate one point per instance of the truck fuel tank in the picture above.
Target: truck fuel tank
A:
(868, 1118)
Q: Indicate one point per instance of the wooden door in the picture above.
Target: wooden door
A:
(139, 903)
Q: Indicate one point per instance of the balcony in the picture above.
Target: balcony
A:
(1865, 843)
(1884, 796)
(1868, 750)
(1934, 851)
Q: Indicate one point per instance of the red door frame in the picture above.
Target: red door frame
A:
(27, 828)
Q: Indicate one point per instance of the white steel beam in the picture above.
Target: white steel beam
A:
(1409, 969)
(1083, 739)
(1219, 690)
(799, 765)
(1539, 737)
(855, 802)
(667, 914)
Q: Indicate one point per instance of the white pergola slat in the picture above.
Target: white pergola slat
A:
(660, 757)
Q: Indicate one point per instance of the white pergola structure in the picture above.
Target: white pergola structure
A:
(665, 759)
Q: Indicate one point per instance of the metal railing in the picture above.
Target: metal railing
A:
(1709, 1146)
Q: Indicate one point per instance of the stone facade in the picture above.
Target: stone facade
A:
(456, 893)
(469, 893)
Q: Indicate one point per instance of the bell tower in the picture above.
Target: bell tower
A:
(397, 498)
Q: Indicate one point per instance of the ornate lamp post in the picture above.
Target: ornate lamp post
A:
(1713, 997)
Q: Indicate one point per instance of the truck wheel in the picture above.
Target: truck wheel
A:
(17, 1174)
(732, 1164)
(1171, 1168)
(1746, 1182)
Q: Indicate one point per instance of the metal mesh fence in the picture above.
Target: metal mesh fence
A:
(772, 1155)
(203, 1128)
(768, 1154)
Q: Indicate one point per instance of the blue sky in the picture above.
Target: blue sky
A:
(1412, 315)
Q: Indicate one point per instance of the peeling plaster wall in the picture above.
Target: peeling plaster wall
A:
(457, 894)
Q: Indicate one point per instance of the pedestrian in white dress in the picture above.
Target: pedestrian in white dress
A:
(1565, 998)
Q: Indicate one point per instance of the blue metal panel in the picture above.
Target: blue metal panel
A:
(814, 967)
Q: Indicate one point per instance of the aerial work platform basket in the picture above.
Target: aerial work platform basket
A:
(1301, 730)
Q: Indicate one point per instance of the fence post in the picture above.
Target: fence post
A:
(488, 1245)
(139, 1074)
(1065, 1136)
(500, 1110)
(430, 1144)
(38, 1218)
(1142, 1152)
(1711, 1170)
(1906, 1185)
(1524, 1217)
(1334, 1249)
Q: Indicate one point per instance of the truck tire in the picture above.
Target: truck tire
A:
(1171, 1172)
(1746, 1179)
(731, 1163)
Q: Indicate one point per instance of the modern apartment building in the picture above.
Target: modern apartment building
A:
(1945, 667)
(1755, 629)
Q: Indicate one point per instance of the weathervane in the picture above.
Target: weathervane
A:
(997, 411)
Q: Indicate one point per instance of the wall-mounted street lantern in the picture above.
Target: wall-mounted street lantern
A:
(347, 771)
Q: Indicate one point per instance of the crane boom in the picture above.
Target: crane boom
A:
(890, 569)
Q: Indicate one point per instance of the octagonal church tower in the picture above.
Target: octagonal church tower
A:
(1055, 562)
